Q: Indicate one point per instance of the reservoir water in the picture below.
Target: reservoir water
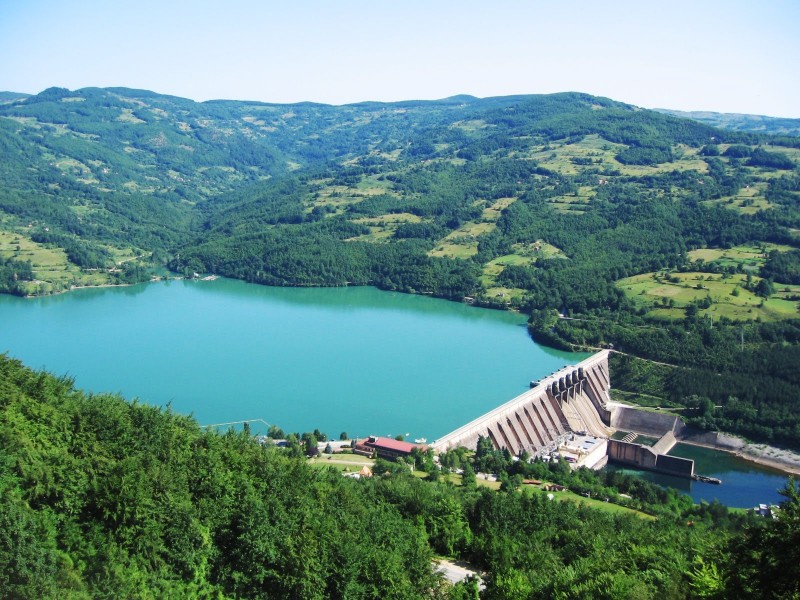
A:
(339, 359)
(744, 484)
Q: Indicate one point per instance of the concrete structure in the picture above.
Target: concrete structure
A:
(571, 412)
(574, 399)
(645, 422)
(586, 451)
(652, 458)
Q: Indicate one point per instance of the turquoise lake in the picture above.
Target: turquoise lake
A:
(356, 359)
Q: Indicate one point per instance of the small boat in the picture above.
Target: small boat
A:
(420, 441)
(706, 479)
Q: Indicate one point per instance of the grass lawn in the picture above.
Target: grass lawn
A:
(524, 255)
(559, 157)
(567, 496)
(493, 212)
(345, 462)
(608, 507)
(52, 269)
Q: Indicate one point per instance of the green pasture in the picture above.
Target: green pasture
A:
(492, 213)
(51, 267)
(609, 507)
(470, 125)
(456, 248)
(504, 295)
(462, 242)
(373, 185)
(668, 295)
(750, 256)
(345, 462)
(559, 157)
(748, 200)
(523, 255)
(382, 227)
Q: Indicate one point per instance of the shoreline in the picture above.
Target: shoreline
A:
(779, 459)
(785, 461)
(101, 286)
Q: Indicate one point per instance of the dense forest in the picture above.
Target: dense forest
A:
(663, 237)
(101, 497)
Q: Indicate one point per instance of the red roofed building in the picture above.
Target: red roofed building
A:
(385, 447)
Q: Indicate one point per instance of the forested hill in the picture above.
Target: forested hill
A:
(666, 237)
(103, 498)
(740, 122)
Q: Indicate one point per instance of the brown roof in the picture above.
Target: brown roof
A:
(390, 444)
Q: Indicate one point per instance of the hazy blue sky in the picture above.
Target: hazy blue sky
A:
(727, 56)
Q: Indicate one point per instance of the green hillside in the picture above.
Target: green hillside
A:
(740, 122)
(103, 498)
(665, 237)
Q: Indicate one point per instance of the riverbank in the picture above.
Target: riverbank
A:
(72, 288)
(780, 459)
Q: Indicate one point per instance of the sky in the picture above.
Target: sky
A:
(740, 56)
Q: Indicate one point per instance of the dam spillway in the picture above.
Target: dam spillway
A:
(571, 400)
(571, 411)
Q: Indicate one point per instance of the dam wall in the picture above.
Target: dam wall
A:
(624, 418)
(635, 455)
(537, 421)
(571, 411)
(712, 438)
(675, 465)
(665, 444)
(652, 458)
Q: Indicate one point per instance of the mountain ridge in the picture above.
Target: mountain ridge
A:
(660, 235)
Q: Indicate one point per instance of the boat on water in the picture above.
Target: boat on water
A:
(706, 479)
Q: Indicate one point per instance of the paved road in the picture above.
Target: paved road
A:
(455, 572)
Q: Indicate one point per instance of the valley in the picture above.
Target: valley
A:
(595, 223)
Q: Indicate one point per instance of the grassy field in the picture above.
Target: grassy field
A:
(523, 255)
(667, 296)
(51, 267)
(382, 228)
(338, 197)
(345, 462)
(609, 507)
(463, 242)
(564, 158)
(750, 256)
(748, 200)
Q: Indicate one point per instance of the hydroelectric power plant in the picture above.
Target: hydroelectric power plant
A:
(570, 412)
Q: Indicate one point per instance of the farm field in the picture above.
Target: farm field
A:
(715, 295)
(52, 269)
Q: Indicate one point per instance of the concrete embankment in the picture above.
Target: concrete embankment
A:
(626, 418)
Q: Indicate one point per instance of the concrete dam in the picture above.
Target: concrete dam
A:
(572, 400)
(570, 412)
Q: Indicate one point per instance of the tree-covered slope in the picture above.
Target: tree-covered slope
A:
(104, 498)
(665, 237)
(740, 122)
